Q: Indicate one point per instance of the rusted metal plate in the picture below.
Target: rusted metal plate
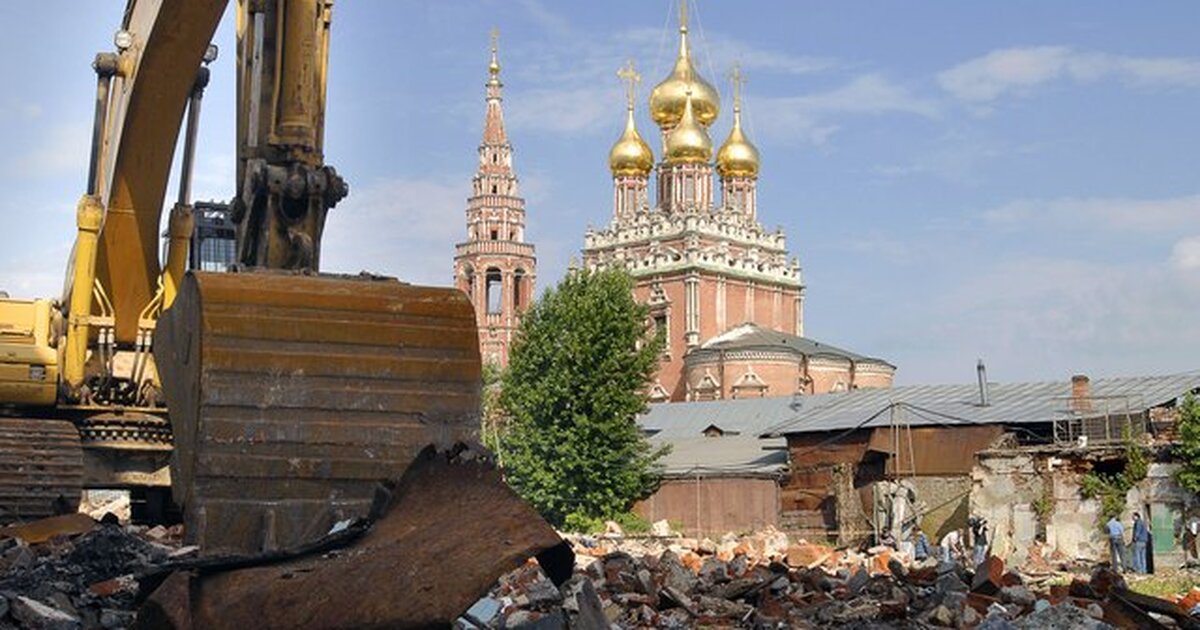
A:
(452, 529)
(41, 467)
(292, 395)
(44, 529)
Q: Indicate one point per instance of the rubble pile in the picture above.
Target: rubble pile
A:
(764, 580)
(74, 573)
(61, 578)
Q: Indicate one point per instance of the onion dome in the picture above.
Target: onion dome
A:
(668, 98)
(737, 157)
(630, 155)
(688, 142)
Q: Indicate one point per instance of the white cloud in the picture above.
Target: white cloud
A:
(400, 227)
(1185, 256)
(564, 110)
(64, 151)
(35, 275)
(1168, 215)
(1018, 70)
(1047, 318)
(807, 116)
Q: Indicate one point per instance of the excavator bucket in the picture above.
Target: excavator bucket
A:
(292, 396)
(41, 468)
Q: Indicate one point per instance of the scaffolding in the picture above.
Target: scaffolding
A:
(1087, 421)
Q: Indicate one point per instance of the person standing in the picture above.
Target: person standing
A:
(1191, 530)
(979, 538)
(1141, 537)
(920, 544)
(1116, 543)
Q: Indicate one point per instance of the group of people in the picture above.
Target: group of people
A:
(1116, 543)
(952, 546)
(1132, 557)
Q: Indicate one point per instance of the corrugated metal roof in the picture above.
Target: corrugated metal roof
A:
(1009, 403)
(682, 424)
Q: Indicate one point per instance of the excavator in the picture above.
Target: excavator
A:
(273, 400)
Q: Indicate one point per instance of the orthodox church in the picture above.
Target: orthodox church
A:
(495, 266)
(720, 286)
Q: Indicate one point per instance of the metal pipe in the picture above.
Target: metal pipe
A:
(105, 66)
(189, 138)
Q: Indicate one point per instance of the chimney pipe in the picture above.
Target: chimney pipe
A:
(981, 370)
(1081, 393)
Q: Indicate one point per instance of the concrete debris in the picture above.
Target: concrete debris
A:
(760, 580)
(655, 582)
(77, 581)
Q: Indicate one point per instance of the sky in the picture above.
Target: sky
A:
(1016, 181)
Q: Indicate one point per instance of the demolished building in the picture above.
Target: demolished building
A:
(866, 460)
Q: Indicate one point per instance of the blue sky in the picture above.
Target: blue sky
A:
(1016, 181)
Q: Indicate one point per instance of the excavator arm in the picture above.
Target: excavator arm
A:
(294, 397)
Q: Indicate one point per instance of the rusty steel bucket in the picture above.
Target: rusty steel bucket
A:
(291, 396)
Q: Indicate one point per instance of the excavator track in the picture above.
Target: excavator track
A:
(41, 468)
(293, 396)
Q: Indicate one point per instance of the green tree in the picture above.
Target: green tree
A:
(1188, 448)
(577, 378)
(491, 415)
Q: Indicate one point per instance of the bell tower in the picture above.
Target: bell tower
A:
(495, 267)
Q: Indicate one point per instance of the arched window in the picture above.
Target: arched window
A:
(493, 189)
(518, 290)
(494, 290)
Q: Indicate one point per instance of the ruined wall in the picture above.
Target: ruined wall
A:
(713, 506)
(1005, 487)
(1008, 486)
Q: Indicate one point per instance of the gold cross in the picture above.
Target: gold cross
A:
(739, 80)
(495, 35)
(683, 15)
(632, 78)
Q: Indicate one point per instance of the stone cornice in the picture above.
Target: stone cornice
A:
(645, 227)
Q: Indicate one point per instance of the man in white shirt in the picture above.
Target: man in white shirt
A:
(952, 546)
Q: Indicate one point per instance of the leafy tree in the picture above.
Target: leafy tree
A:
(491, 415)
(1188, 448)
(577, 378)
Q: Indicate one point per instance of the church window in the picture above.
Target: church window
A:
(495, 235)
(494, 305)
(518, 289)
(493, 189)
(493, 158)
(689, 189)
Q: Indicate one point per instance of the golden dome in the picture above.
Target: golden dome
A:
(737, 157)
(688, 142)
(668, 98)
(630, 155)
